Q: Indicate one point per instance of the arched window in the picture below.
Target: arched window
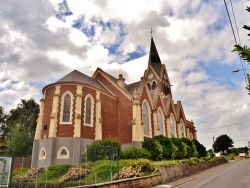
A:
(63, 153)
(160, 121)
(154, 85)
(182, 129)
(146, 119)
(172, 126)
(42, 154)
(66, 107)
(149, 87)
(89, 110)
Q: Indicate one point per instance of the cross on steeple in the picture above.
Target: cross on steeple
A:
(151, 32)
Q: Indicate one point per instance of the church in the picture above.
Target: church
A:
(78, 109)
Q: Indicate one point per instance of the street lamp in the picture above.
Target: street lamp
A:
(247, 77)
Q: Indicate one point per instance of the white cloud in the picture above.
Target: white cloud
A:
(36, 49)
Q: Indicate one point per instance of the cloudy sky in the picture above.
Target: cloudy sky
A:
(43, 40)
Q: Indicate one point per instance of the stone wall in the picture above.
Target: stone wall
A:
(173, 172)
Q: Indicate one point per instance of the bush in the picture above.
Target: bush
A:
(200, 149)
(75, 172)
(28, 176)
(135, 153)
(55, 171)
(19, 171)
(179, 153)
(104, 149)
(136, 168)
(155, 149)
(167, 146)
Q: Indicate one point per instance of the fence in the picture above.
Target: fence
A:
(106, 166)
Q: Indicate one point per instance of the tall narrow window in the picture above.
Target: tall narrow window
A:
(154, 85)
(66, 108)
(88, 111)
(172, 126)
(182, 130)
(149, 87)
(146, 119)
(160, 122)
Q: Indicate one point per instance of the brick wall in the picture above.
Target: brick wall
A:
(49, 92)
(20, 162)
(124, 112)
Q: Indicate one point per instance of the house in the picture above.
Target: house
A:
(78, 109)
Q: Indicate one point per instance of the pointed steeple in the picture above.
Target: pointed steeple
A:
(153, 54)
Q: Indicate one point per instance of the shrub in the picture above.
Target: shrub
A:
(179, 153)
(75, 172)
(28, 176)
(135, 153)
(200, 149)
(104, 149)
(136, 168)
(145, 164)
(155, 149)
(167, 146)
(18, 171)
(55, 171)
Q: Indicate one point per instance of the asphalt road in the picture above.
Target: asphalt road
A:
(231, 175)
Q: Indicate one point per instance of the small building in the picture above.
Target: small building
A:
(78, 109)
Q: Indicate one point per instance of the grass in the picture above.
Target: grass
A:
(100, 172)
(230, 156)
(166, 162)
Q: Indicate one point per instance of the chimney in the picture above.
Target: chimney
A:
(120, 81)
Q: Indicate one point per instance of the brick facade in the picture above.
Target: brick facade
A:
(115, 109)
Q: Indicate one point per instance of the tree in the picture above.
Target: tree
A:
(222, 143)
(19, 142)
(2, 130)
(244, 52)
(2, 124)
(18, 129)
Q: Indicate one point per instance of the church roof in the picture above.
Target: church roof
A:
(78, 77)
(154, 58)
(153, 54)
(132, 87)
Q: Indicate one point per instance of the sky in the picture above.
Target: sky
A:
(43, 40)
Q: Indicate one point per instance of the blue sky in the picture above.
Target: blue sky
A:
(38, 46)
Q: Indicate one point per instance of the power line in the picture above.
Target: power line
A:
(223, 126)
(237, 30)
(243, 69)
(230, 21)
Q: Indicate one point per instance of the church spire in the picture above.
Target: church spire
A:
(153, 54)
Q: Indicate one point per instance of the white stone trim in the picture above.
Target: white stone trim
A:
(62, 107)
(60, 155)
(149, 118)
(92, 110)
(42, 154)
(163, 121)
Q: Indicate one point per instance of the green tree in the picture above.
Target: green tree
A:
(104, 149)
(25, 116)
(19, 142)
(2, 130)
(18, 129)
(222, 143)
(244, 51)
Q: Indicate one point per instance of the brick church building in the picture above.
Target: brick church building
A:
(78, 109)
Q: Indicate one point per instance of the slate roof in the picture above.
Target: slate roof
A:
(154, 58)
(131, 87)
(78, 77)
